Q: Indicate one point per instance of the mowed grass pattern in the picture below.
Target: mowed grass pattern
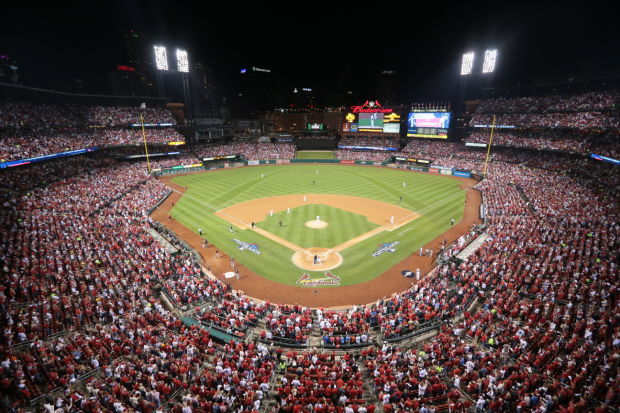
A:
(437, 199)
(315, 155)
(342, 226)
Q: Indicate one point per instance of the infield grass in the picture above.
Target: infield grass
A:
(342, 226)
(437, 199)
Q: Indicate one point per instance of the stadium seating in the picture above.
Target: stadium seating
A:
(91, 305)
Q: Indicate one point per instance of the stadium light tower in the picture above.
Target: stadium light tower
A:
(161, 57)
(467, 63)
(182, 61)
(182, 69)
(490, 57)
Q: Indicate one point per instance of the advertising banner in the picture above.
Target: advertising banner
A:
(463, 174)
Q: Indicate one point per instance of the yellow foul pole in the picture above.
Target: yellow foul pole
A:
(486, 162)
(146, 150)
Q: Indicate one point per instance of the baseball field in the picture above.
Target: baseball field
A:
(318, 225)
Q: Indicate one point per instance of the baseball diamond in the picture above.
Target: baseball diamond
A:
(269, 206)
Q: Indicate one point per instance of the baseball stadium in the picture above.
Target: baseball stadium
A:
(174, 243)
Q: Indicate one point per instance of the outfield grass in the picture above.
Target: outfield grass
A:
(315, 155)
(437, 199)
(342, 226)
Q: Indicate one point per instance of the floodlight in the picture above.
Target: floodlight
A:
(490, 57)
(161, 57)
(467, 64)
(182, 62)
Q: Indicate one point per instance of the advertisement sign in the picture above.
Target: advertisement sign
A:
(605, 159)
(253, 162)
(446, 172)
(463, 174)
(283, 161)
(217, 158)
(477, 145)
(347, 162)
(27, 161)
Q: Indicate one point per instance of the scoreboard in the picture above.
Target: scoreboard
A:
(428, 124)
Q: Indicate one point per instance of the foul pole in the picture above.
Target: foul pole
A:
(486, 162)
(146, 150)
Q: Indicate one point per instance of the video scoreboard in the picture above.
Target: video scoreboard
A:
(372, 117)
(428, 124)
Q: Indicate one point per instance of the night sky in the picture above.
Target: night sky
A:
(322, 46)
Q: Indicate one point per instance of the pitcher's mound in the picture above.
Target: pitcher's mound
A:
(316, 224)
(327, 259)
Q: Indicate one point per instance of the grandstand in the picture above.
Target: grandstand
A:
(99, 316)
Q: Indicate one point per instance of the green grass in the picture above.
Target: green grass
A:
(315, 155)
(342, 226)
(436, 198)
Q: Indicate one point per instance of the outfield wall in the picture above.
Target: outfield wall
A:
(183, 169)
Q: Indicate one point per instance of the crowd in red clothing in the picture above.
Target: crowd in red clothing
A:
(249, 149)
(35, 129)
(369, 141)
(361, 155)
(577, 120)
(587, 110)
(20, 114)
(542, 139)
(542, 333)
(18, 144)
(550, 103)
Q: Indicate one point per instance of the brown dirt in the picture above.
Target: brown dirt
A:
(305, 259)
(384, 285)
(314, 224)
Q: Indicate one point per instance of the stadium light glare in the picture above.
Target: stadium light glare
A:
(161, 57)
(490, 57)
(182, 61)
(467, 63)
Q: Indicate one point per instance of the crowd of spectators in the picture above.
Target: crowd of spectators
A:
(559, 140)
(538, 300)
(28, 114)
(343, 328)
(175, 160)
(319, 382)
(361, 155)
(16, 144)
(288, 324)
(590, 101)
(576, 120)
(250, 150)
(369, 141)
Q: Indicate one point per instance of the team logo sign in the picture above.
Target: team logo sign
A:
(307, 281)
(387, 247)
(252, 247)
(407, 273)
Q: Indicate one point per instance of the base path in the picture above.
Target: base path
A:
(384, 285)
